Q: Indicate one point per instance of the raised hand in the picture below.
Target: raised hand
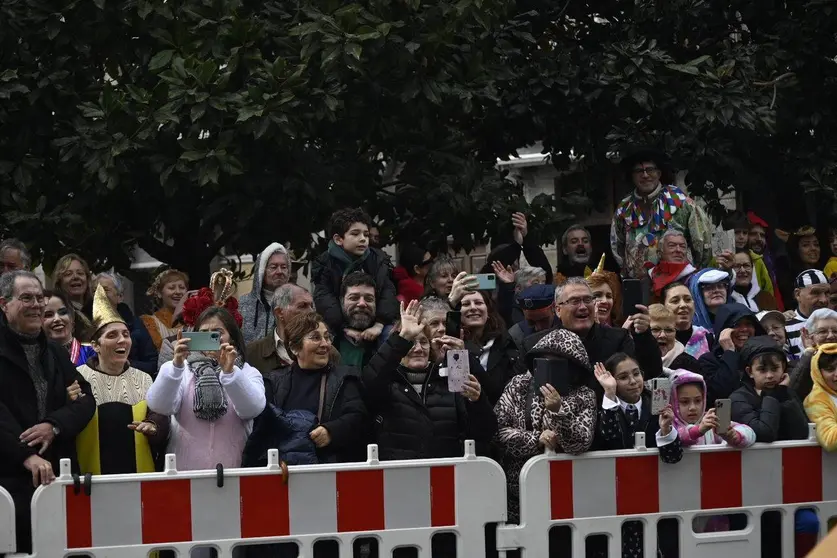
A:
(606, 380)
(227, 358)
(521, 227)
(463, 284)
(181, 350)
(504, 274)
(666, 420)
(411, 327)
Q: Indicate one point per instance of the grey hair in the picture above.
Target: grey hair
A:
(8, 280)
(15, 244)
(434, 304)
(817, 315)
(117, 280)
(441, 263)
(566, 235)
(671, 231)
(526, 275)
(559, 290)
(284, 295)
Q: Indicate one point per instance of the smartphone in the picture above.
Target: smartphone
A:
(453, 324)
(723, 410)
(552, 371)
(632, 295)
(203, 340)
(660, 394)
(487, 281)
(458, 370)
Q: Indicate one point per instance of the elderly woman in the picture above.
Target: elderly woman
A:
(664, 330)
(418, 417)
(530, 419)
(73, 279)
(710, 289)
(329, 395)
(167, 290)
(747, 290)
(488, 337)
(211, 397)
(820, 329)
(678, 298)
(59, 324)
(124, 434)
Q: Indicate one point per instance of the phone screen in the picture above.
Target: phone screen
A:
(552, 371)
(453, 323)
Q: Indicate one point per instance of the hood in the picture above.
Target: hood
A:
(816, 374)
(702, 316)
(261, 264)
(729, 314)
(679, 378)
(561, 343)
(758, 345)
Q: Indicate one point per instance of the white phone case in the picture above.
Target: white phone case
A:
(660, 394)
(458, 370)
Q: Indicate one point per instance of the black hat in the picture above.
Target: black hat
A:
(536, 297)
(643, 154)
(757, 346)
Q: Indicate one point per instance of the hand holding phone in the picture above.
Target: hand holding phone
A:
(459, 368)
(203, 340)
(660, 394)
(552, 371)
(723, 410)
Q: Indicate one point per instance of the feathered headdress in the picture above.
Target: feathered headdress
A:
(219, 293)
(103, 311)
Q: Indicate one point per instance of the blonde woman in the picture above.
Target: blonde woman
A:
(168, 289)
(73, 279)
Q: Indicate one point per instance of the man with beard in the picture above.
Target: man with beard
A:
(574, 306)
(356, 343)
(812, 292)
(577, 248)
(654, 206)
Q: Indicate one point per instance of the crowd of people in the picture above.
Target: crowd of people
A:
(362, 358)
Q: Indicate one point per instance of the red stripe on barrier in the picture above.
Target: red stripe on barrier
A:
(561, 489)
(720, 480)
(637, 487)
(801, 475)
(79, 520)
(443, 496)
(265, 509)
(166, 511)
(360, 501)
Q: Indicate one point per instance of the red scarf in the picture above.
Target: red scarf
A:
(665, 273)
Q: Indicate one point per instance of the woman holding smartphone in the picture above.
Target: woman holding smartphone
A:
(212, 396)
(486, 337)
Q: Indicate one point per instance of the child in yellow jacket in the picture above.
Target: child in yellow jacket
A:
(821, 403)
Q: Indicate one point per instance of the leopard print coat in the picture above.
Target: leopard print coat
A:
(574, 425)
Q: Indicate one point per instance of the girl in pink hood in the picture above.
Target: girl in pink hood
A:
(697, 426)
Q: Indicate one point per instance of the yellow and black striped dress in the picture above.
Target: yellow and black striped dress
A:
(107, 446)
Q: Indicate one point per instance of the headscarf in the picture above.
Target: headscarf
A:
(708, 276)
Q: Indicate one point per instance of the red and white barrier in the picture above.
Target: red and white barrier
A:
(401, 503)
(7, 523)
(595, 493)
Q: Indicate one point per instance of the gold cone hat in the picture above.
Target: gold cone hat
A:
(600, 268)
(103, 311)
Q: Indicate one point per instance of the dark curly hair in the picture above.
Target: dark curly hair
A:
(343, 219)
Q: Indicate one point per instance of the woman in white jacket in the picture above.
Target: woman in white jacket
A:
(212, 398)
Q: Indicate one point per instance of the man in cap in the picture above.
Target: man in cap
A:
(538, 306)
(653, 206)
(811, 292)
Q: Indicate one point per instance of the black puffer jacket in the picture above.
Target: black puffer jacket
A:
(413, 426)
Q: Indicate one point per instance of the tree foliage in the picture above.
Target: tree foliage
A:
(187, 126)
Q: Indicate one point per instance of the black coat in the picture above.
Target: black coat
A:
(602, 342)
(721, 369)
(774, 416)
(19, 411)
(327, 276)
(412, 426)
(344, 412)
(502, 358)
(685, 361)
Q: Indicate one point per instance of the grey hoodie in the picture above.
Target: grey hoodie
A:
(256, 311)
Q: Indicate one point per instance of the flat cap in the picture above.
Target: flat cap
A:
(536, 297)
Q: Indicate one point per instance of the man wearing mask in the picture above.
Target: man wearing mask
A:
(272, 269)
(812, 293)
(14, 256)
(355, 344)
(577, 247)
(655, 204)
(575, 308)
(270, 352)
(38, 421)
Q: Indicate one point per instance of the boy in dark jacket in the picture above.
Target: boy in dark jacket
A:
(348, 252)
(734, 325)
(764, 402)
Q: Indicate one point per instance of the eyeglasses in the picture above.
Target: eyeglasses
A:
(28, 299)
(317, 338)
(826, 333)
(666, 330)
(578, 301)
(645, 170)
(743, 267)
